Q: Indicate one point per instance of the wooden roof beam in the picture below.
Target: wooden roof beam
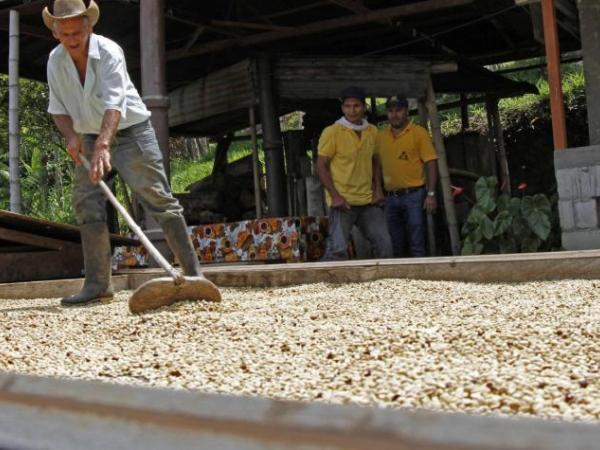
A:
(356, 6)
(424, 7)
(289, 12)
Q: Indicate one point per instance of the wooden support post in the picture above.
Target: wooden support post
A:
(153, 64)
(430, 220)
(497, 134)
(438, 141)
(557, 106)
(423, 119)
(13, 113)
(589, 19)
(464, 112)
(272, 143)
(255, 162)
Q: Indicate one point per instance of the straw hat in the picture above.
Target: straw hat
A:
(66, 9)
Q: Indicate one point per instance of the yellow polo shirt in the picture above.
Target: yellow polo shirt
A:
(403, 157)
(351, 162)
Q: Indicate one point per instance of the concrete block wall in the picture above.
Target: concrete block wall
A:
(578, 179)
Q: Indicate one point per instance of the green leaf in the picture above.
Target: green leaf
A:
(485, 193)
(520, 227)
(539, 223)
(503, 202)
(507, 245)
(527, 206)
(476, 215)
(468, 228)
(530, 244)
(487, 228)
(536, 211)
(502, 222)
(476, 235)
(514, 207)
(470, 248)
(542, 203)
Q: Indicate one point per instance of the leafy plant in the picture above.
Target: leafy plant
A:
(503, 224)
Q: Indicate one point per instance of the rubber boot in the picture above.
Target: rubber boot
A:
(97, 258)
(179, 241)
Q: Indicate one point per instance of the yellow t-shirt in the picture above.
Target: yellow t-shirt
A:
(351, 162)
(403, 157)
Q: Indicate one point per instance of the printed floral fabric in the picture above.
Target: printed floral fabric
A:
(287, 239)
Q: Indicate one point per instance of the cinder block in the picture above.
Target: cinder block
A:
(595, 174)
(581, 240)
(585, 184)
(577, 157)
(566, 214)
(564, 182)
(586, 214)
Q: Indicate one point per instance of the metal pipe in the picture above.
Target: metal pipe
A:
(438, 140)
(272, 144)
(557, 105)
(13, 113)
(255, 162)
(153, 65)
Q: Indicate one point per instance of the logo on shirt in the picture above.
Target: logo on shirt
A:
(403, 156)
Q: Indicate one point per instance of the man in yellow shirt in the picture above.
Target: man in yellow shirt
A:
(406, 154)
(350, 173)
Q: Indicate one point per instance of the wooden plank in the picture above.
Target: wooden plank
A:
(522, 267)
(33, 240)
(220, 92)
(53, 288)
(478, 269)
(424, 7)
(33, 225)
(41, 265)
(69, 414)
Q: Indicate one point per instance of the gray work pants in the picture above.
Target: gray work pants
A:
(138, 159)
(371, 222)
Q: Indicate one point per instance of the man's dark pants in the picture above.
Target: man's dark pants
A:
(406, 222)
(371, 222)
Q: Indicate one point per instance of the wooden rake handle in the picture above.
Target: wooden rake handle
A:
(177, 277)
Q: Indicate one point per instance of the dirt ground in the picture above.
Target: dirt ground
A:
(527, 348)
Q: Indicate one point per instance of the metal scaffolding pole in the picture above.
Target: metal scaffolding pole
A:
(13, 113)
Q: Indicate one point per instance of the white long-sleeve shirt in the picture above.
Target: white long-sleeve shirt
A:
(107, 86)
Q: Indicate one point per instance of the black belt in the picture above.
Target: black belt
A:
(403, 191)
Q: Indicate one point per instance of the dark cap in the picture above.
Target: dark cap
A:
(399, 101)
(353, 92)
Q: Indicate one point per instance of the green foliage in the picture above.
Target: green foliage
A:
(501, 224)
(45, 169)
(531, 107)
(184, 172)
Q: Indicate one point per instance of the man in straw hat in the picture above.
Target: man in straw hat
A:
(100, 113)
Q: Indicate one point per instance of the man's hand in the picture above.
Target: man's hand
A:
(337, 201)
(74, 149)
(430, 204)
(100, 163)
(378, 197)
